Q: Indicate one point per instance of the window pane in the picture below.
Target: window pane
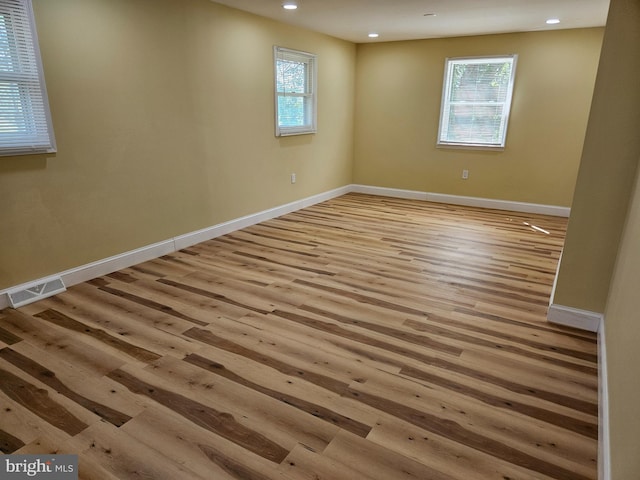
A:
(291, 77)
(25, 123)
(12, 112)
(475, 124)
(488, 82)
(6, 55)
(476, 101)
(291, 111)
(295, 92)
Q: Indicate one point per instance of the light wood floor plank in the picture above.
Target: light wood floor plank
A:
(363, 337)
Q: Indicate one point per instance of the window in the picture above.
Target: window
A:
(295, 81)
(25, 122)
(476, 99)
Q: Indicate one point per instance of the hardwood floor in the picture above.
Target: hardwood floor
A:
(361, 338)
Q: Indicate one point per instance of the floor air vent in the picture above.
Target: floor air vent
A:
(35, 291)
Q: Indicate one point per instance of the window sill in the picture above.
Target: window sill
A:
(471, 146)
(16, 152)
(295, 132)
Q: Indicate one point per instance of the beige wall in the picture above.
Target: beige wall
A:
(622, 333)
(607, 171)
(600, 269)
(399, 87)
(163, 114)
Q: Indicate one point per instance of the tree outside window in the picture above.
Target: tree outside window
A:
(295, 81)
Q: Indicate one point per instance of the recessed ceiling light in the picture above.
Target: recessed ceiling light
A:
(373, 35)
(553, 21)
(289, 5)
(429, 15)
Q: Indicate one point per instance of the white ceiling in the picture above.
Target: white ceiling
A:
(405, 19)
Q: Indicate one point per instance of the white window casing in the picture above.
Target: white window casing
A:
(25, 119)
(476, 101)
(296, 76)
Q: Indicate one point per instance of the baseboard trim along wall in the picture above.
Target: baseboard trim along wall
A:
(554, 210)
(592, 322)
(574, 317)
(604, 452)
(112, 264)
(184, 241)
(569, 316)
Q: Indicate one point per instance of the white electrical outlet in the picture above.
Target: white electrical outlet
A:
(465, 174)
(293, 178)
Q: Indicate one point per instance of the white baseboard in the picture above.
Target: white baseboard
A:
(604, 452)
(574, 317)
(569, 316)
(117, 262)
(554, 210)
(592, 322)
(389, 192)
(112, 264)
(192, 238)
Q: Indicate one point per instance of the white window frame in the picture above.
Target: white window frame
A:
(309, 96)
(446, 104)
(25, 118)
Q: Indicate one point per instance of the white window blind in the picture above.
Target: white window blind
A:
(25, 121)
(295, 91)
(476, 101)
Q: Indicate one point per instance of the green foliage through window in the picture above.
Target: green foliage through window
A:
(295, 78)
